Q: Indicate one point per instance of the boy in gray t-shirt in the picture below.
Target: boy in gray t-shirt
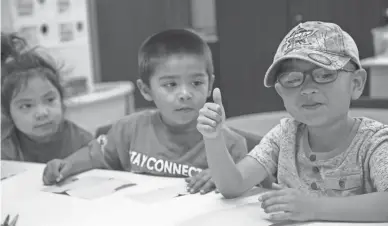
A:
(328, 165)
(176, 74)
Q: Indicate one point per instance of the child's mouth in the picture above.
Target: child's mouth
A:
(184, 109)
(45, 125)
(312, 106)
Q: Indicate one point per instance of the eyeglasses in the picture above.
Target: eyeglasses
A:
(293, 79)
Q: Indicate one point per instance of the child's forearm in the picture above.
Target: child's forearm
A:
(81, 161)
(371, 207)
(225, 173)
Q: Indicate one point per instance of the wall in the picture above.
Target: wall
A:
(122, 27)
(249, 33)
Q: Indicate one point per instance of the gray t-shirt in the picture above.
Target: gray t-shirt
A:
(142, 143)
(358, 166)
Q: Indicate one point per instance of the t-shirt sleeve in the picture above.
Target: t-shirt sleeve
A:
(267, 151)
(111, 150)
(79, 137)
(378, 162)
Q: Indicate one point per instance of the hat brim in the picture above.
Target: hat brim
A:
(324, 60)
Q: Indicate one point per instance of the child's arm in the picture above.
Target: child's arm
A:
(293, 204)
(232, 180)
(371, 207)
(237, 147)
(100, 153)
(92, 156)
(81, 161)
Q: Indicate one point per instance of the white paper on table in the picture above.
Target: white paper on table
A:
(89, 187)
(248, 215)
(160, 194)
(75, 183)
(103, 189)
(9, 169)
(190, 206)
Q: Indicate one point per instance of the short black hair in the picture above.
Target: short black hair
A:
(162, 45)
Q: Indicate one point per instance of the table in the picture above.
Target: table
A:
(22, 194)
(261, 123)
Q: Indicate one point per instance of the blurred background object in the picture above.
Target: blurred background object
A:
(60, 26)
(100, 40)
(378, 64)
(247, 34)
(63, 29)
(121, 27)
(380, 37)
(250, 32)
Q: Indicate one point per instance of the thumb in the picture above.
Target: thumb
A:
(217, 96)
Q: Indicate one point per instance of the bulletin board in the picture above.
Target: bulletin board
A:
(59, 26)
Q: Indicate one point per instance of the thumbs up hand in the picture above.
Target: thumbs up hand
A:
(212, 116)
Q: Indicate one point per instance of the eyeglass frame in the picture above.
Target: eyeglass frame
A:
(312, 77)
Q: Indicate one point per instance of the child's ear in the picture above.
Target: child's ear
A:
(144, 90)
(211, 83)
(358, 83)
(279, 89)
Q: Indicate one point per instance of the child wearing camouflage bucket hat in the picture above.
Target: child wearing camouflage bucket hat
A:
(328, 166)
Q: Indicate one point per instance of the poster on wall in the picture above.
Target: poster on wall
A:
(66, 32)
(24, 7)
(58, 27)
(63, 5)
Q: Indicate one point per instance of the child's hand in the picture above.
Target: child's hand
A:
(201, 182)
(55, 171)
(211, 116)
(288, 204)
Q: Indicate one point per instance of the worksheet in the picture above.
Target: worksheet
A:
(9, 169)
(89, 187)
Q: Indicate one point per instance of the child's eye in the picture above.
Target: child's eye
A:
(25, 106)
(51, 99)
(326, 77)
(198, 83)
(329, 75)
(169, 85)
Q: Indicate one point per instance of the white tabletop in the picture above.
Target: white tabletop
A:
(21, 194)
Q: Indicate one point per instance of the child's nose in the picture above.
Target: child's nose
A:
(309, 86)
(41, 112)
(184, 94)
